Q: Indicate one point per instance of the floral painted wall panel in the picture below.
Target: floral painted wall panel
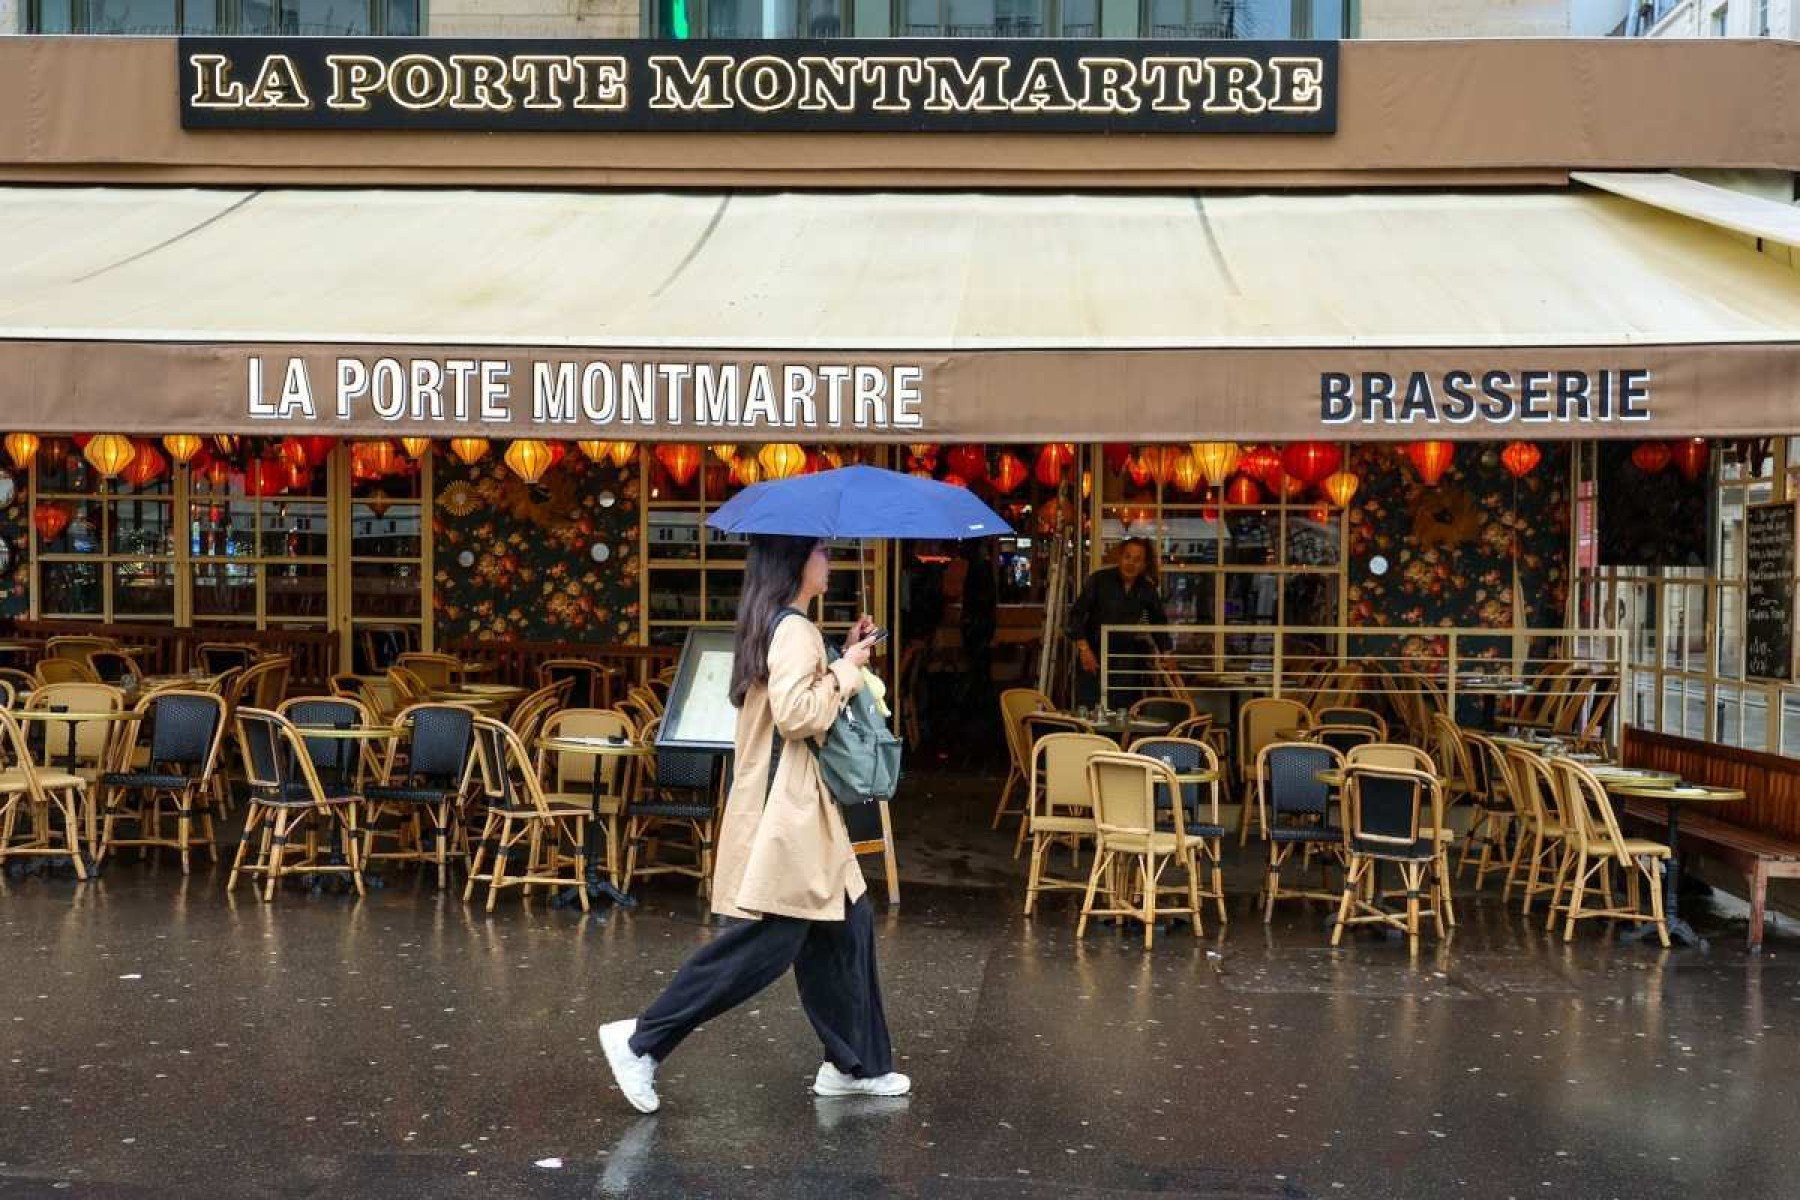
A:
(1452, 549)
(555, 561)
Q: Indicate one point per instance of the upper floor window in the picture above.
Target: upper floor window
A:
(286, 17)
(1243, 18)
(682, 19)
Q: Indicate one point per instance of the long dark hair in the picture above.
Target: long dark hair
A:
(772, 575)
(1150, 564)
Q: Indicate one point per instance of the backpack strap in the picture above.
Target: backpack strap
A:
(776, 741)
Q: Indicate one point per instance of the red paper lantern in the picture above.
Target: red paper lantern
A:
(1651, 457)
(378, 456)
(146, 466)
(1009, 472)
(218, 473)
(1243, 490)
(1431, 460)
(1520, 458)
(298, 476)
(1116, 456)
(1053, 463)
(264, 477)
(1162, 460)
(970, 462)
(51, 518)
(1263, 464)
(1138, 469)
(680, 460)
(1310, 462)
(1692, 457)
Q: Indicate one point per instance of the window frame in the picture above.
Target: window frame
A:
(229, 23)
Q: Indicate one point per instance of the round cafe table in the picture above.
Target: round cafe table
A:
(598, 748)
(1672, 794)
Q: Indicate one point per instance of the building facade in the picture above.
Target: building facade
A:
(1715, 18)
(683, 19)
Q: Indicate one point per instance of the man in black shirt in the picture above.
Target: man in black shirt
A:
(1122, 595)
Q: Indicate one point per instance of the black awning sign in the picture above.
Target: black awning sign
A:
(887, 86)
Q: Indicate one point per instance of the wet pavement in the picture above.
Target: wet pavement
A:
(158, 1038)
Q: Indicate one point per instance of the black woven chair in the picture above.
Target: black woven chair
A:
(676, 797)
(1295, 807)
(184, 730)
(1199, 808)
(426, 791)
(1345, 738)
(114, 666)
(216, 658)
(1388, 816)
(291, 806)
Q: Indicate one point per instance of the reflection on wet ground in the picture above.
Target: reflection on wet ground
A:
(158, 1038)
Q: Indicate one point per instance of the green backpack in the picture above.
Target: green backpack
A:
(859, 757)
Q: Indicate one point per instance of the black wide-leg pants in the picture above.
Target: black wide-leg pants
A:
(834, 965)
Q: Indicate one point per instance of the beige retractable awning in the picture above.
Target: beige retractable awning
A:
(1078, 316)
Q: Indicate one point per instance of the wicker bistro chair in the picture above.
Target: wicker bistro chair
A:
(32, 801)
(77, 645)
(674, 807)
(1495, 809)
(289, 803)
(18, 684)
(1348, 715)
(1259, 720)
(425, 791)
(216, 658)
(407, 687)
(1123, 788)
(1595, 845)
(1167, 711)
(520, 816)
(58, 669)
(1389, 815)
(438, 672)
(1198, 808)
(1405, 757)
(175, 785)
(1344, 738)
(1015, 703)
(590, 684)
(1539, 847)
(1035, 726)
(114, 666)
(587, 779)
(1060, 808)
(529, 714)
(93, 751)
(1295, 811)
(342, 765)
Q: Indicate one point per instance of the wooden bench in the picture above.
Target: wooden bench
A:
(1758, 837)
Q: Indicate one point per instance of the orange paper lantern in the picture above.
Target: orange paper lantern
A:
(1009, 472)
(110, 453)
(182, 446)
(1188, 476)
(1263, 464)
(470, 450)
(378, 455)
(1431, 460)
(680, 459)
(51, 518)
(1243, 490)
(22, 447)
(416, 447)
(725, 452)
(620, 454)
(1340, 487)
(781, 460)
(299, 476)
(746, 470)
(1217, 460)
(593, 449)
(528, 459)
(1520, 458)
(144, 468)
(1053, 463)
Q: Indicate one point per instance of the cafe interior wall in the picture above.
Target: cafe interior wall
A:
(1452, 548)
(551, 561)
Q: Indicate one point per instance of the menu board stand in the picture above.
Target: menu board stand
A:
(1770, 551)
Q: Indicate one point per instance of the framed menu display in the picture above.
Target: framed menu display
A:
(1769, 574)
(699, 714)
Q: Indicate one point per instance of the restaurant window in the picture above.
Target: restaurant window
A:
(387, 547)
(1243, 18)
(259, 540)
(170, 17)
(105, 549)
(1265, 563)
(974, 18)
(685, 19)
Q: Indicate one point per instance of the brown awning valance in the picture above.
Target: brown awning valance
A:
(906, 317)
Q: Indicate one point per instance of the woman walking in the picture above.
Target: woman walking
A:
(785, 867)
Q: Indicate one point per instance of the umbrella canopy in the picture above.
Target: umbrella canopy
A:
(858, 502)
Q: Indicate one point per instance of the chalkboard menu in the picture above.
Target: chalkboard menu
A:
(1769, 592)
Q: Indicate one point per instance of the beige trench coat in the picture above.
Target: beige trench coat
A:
(789, 856)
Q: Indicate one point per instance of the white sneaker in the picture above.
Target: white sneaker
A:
(833, 1082)
(634, 1073)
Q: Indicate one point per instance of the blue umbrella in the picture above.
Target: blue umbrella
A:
(858, 502)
